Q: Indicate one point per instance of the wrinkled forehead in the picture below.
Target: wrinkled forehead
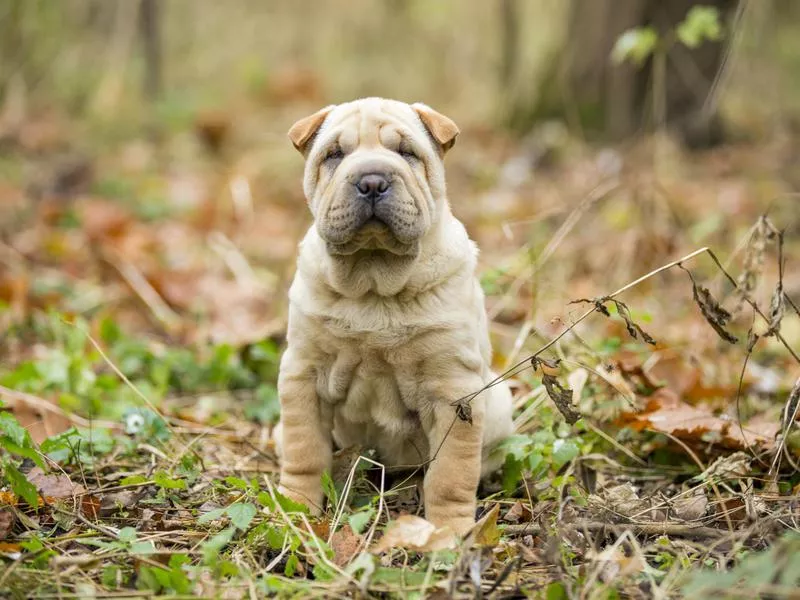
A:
(371, 122)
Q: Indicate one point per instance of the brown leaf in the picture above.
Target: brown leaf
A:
(734, 508)
(54, 486)
(10, 548)
(599, 304)
(485, 531)
(36, 414)
(621, 500)
(613, 563)
(691, 507)
(667, 413)
(321, 529)
(90, 506)
(632, 327)
(415, 533)
(713, 312)
(102, 219)
(634, 330)
(112, 503)
(7, 520)
(776, 309)
(213, 128)
(561, 396)
(548, 367)
(753, 260)
(674, 371)
(790, 410)
(345, 543)
(518, 513)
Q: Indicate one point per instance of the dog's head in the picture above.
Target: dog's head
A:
(374, 176)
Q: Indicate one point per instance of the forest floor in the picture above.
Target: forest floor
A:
(143, 282)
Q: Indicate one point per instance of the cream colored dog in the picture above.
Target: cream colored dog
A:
(387, 327)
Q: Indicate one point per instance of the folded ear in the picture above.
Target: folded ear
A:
(443, 130)
(302, 132)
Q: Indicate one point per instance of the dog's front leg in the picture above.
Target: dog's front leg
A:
(451, 481)
(306, 445)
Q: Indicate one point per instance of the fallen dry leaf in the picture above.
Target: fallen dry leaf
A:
(345, 543)
(321, 529)
(518, 513)
(691, 507)
(621, 499)
(666, 412)
(10, 548)
(415, 533)
(613, 563)
(41, 417)
(7, 520)
(485, 531)
(674, 371)
(111, 503)
(101, 219)
(90, 506)
(733, 466)
(54, 486)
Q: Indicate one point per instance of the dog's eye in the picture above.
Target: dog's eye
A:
(408, 154)
(334, 154)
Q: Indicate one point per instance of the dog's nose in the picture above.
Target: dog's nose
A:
(372, 186)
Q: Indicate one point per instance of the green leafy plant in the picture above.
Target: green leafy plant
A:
(15, 440)
(702, 23)
(545, 451)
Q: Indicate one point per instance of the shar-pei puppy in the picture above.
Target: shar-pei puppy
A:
(387, 326)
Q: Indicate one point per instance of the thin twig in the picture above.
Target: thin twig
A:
(43, 405)
(669, 529)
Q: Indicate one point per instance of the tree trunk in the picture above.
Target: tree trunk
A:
(615, 101)
(150, 23)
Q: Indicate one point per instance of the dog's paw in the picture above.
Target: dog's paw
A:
(458, 525)
(308, 500)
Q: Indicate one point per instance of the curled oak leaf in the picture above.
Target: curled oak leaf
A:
(561, 397)
(632, 327)
(713, 312)
(753, 261)
(548, 366)
(791, 409)
(776, 309)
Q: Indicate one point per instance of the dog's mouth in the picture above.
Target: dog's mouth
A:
(393, 224)
(375, 235)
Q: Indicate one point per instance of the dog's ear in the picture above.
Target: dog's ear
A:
(443, 130)
(302, 132)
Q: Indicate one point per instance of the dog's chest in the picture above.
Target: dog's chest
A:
(364, 384)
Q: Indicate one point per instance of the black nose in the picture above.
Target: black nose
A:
(372, 186)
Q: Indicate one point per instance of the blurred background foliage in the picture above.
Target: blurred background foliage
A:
(508, 61)
(151, 206)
